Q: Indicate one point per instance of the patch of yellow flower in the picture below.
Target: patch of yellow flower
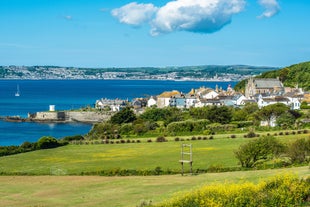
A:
(282, 190)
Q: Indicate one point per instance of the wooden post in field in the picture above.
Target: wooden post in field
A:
(186, 157)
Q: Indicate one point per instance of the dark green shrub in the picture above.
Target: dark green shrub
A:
(73, 138)
(299, 150)
(251, 134)
(47, 142)
(259, 150)
(161, 139)
(177, 139)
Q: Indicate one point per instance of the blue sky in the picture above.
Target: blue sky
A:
(109, 33)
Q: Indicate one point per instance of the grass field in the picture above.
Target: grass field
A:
(46, 189)
(75, 159)
(101, 191)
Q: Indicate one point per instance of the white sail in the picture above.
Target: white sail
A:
(17, 92)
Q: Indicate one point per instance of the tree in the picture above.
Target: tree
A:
(199, 113)
(299, 150)
(124, 116)
(286, 120)
(221, 114)
(47, 142)
(273, 111)
(264, 149)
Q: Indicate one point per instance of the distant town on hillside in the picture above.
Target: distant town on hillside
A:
(197, 73)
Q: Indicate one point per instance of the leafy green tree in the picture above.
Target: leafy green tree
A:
(126, 115)
(175, 115)
(104, 130)
(261, 149)
(47, 142)
(286, 121)
(199, 112)
(155, 114)
(239, 115)
(222, 114)
(271, 112)
(299, 150)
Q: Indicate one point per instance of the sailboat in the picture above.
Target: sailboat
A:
(17, 92)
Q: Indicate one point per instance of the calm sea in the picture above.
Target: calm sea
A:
(37, 95)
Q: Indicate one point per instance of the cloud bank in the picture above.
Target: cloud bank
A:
(200, 16)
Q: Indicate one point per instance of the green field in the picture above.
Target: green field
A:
(101, 191)
(92, 158)
(46, 189)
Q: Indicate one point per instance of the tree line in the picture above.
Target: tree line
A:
(205, 120)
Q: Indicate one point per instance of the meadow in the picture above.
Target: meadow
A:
(92, 191)
(91, 159)
(52, 177)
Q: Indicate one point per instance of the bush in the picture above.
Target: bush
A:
(47, 142)
(299, 150)
(262, 149)
(284, 190)
(161, 139)
(187, 126)
(251, 134)
(177, 139)
(73, 138)
(233, 136)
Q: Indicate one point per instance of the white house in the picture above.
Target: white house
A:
(239, 100)
(163, 100)
(208, 94)
(151, 102)
(190, 101)
(294, 103)
(262, 102)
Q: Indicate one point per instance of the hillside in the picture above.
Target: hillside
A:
(290, 76)
(206, 72)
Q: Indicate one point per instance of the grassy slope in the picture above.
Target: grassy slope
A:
(114, 191)
(118, 191)
(75, 159)
(290, 76)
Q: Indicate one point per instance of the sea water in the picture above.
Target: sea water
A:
(37, 95)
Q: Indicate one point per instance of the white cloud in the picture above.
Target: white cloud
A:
(202, 16)
(135, 14)
(271, 8)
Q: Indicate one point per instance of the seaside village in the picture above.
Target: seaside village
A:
(261, 91)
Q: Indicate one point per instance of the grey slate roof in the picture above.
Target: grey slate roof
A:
(267, 83)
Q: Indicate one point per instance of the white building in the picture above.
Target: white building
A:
(151, 102)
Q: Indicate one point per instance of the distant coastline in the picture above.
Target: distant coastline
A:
(187, 73)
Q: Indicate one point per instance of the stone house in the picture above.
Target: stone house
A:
(163, 100)
(269, 86)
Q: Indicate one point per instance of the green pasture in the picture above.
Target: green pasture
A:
(79, 159)
(93, 191)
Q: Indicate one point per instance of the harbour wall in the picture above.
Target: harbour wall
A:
(70, 116)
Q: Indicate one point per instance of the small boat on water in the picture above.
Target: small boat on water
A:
(17, 92)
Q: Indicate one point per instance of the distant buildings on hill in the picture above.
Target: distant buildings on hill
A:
(261, 91)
